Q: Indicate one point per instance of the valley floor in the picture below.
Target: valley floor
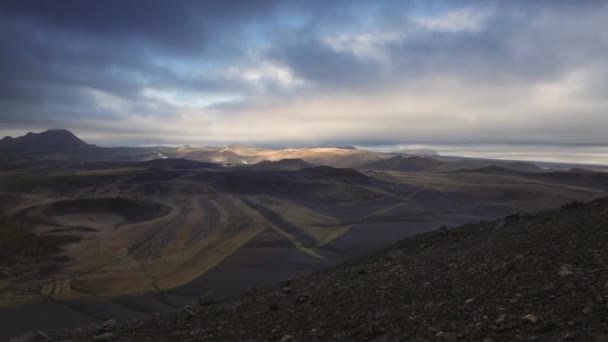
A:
(133, 241)
(537, 277)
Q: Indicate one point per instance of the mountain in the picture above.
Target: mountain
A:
(52, 139)
(474, 164)
(523, 278)
(293, 164)
(418, 152)
(574, 177)
(243, 150)
(329, 156)
(401, 163)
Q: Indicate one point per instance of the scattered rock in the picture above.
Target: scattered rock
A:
(530, 318)
(27, 337)
(287, 338)
(41, 336)
(302, 299)
(394, 254)
(446, 337)
(103, 337)
(449, 337)
(109, 324)
(514, 217)
(587, 310)
(601, 338)
(382, 313)
(184, 314)
(30, 336)
(500, 224)
(207, 299)
(385, 338)
(94, 327)
(565, 270)
(569, 336)
(571, 205)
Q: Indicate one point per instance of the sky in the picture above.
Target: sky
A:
(520, 75)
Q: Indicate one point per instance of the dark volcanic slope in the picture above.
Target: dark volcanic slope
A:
(473, 164)
(586, 178)
(281, 165)
(406, 164)
(526, 278)
(328, 173)
(177, 163)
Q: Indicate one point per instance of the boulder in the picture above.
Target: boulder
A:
(394, 254)
(30, 336)
(108, 336)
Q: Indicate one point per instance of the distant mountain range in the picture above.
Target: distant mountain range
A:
(61, 144)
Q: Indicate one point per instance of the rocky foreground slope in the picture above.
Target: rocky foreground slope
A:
(541, 277)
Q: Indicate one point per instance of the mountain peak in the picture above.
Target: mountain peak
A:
(57, 138)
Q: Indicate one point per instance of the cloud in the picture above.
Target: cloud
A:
(314, 72)
(467, 20)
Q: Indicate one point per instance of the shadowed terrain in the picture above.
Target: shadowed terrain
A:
(523, 278)
(123, 238)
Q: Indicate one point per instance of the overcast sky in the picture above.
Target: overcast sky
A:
(267, 72)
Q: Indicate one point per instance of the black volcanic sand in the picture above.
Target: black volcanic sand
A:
(540, 277)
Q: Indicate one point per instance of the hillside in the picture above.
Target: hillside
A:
(576, 177)
(537, 277)
(421, 152)
(473, 164)
(404, 164)
(280, 165)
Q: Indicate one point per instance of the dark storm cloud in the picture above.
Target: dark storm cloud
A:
(112, 45)
(348, 72)
(179, 26)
